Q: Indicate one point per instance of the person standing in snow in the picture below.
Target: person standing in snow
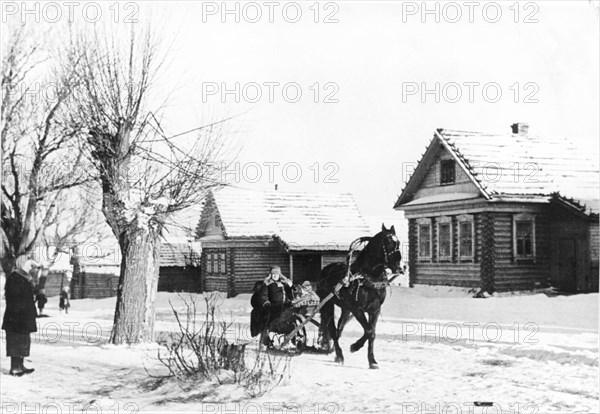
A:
(41, 300)
(63, 302)
(19, 316)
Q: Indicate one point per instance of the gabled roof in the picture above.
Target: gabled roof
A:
(514, 167)
(302, 221)
(181, 226)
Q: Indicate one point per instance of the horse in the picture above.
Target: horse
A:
(364, 295)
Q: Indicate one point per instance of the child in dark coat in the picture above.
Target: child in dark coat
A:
(41, 300)
(63, 302)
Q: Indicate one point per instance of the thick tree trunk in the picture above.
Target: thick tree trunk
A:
(138, 283)
(9, 262)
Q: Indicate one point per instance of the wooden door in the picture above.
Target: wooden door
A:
(567, 265)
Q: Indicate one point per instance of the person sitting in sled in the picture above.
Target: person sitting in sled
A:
(276, 293)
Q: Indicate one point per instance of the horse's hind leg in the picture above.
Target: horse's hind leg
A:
(373, 316)
(329, 330)
(344, 319)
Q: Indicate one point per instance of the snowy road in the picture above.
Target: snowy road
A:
(433, 365)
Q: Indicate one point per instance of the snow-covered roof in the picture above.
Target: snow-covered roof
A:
(509, 167)
(173, 252)
(179, 253)
(302, 221)
(182, 225)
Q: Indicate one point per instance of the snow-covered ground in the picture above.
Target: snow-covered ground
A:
(439, 351)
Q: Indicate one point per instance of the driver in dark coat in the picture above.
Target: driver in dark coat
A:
(276, 293)
(19, 318)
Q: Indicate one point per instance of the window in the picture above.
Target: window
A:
(466, 238)
(524, 236)
(424, 239)
(209, 263)
(222, 267)
(216, 263)
(447, 173)
(444, 230)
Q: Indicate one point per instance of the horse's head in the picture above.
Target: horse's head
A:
(386, 248)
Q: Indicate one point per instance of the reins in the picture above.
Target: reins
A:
(350, 277)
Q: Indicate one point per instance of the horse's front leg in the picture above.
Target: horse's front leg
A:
(373, 316)
(362, 319)
(339, 356)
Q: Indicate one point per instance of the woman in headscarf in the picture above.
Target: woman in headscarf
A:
(19, 316)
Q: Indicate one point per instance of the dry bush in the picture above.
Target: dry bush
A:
(202, 351)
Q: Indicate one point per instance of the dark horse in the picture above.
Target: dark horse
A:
(363, 296)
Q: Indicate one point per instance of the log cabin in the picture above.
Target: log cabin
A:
(96, 275)
(501, 212)
(244, 232)
(179, 269)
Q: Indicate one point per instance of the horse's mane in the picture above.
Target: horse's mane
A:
(361, 264)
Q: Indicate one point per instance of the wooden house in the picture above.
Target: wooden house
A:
(502, 212)
(180, 255)
(179, 266)
(244, 232)
(55, 281)
(98, 276)
(96, 270)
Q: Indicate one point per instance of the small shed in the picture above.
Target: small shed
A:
(502, 212)
(243, 232)
(179, 266)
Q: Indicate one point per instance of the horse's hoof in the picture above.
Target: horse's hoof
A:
(373, 366)
(339, 360)
(355, 347)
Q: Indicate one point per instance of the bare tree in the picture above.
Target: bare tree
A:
(145, 175)
(39, 157)
(77, 222)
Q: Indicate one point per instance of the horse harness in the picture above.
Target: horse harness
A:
(359, 279)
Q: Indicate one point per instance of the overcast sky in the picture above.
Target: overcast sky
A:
(373, 58)
(371, 61)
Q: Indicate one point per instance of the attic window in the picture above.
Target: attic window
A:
(447, 173)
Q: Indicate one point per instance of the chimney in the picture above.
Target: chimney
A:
(276, 187)
(520, 128)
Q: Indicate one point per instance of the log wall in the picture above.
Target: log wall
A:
(94, 285)
(451, 273)
(513, 274)
(179, 279)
